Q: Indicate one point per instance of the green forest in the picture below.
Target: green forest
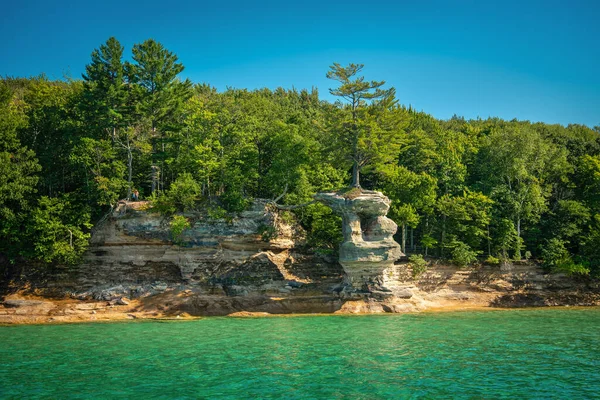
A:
(465, 191)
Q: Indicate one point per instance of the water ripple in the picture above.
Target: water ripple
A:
(536, 354)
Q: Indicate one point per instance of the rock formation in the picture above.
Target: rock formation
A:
(132, 254)
(227, 267)
(369, 248)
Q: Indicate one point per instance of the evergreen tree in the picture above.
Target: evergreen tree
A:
(159, 97)
(359, 134)
(105, 88)
(107, 103)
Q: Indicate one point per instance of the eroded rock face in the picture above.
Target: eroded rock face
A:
(369, 247)
(132, 254)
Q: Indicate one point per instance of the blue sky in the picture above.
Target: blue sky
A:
(533, 60)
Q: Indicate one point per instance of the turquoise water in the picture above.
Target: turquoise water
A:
(499, 354)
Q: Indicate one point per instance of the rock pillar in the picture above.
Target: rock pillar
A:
(369, 247)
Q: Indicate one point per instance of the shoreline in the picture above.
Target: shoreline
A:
(38, 310)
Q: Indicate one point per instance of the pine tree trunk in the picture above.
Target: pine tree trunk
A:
(489, 240)
(518, 247)
(130, 172)
(443, 237)
(355, 175)
(162, 168)
(404, 238)
(426, 230)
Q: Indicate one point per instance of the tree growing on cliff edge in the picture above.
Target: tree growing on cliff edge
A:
(368, 120)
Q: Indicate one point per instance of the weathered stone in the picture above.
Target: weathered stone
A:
(88, 306)
(403, 294)
(236, 290)
(160, 286)
(131, 255)
(24, 303)
(111, 293)
(368, 248)
(123, 301)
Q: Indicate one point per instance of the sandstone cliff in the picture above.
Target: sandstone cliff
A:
(133, 269)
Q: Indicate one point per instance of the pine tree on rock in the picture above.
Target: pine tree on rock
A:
(360, 133)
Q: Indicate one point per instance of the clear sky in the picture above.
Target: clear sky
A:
(532, 60)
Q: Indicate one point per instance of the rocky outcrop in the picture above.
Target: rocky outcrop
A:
(441, 287)
(132, 254)
(230, 267)
(369, 248)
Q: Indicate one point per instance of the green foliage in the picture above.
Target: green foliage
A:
(557, 258)
(462, 254)
(491, 260)
(158, 92)
(184, 192)
(428, 242)
(178, 225)
(466, 217)
(418, 265)
(161, 203)
(99, 159)
(517, 165)
(267, 232)
(587, 179)
(235, 201)
(216, 212)
(322, 226)
(181, 196)
(365, 132)
(58, 230)
(105, 97)
(287, 217)
(18, 177)
(505, 237)
(590, 249)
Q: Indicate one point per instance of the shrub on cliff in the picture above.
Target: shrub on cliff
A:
(181, 196)
(462, 254)
(558, 259)
(418, 264)
(178, 225)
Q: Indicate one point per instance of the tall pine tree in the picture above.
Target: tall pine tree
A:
(160, 97)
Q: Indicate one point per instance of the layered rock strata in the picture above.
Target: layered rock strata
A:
(132, 254)
(441, 287)
(253, 264)
(369, 248)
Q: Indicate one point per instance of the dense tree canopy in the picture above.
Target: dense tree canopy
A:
(462, 190)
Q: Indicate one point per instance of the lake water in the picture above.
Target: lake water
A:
(547, 353)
